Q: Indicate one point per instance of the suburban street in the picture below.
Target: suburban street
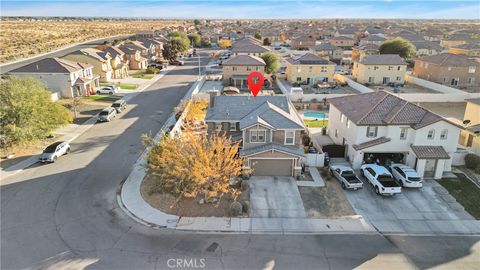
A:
(4, 68)
(66, 214)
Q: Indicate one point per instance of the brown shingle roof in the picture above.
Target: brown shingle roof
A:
(244, 60)
(383, 108)
(309, 59)
(101, 56)
(449, 59)
(382, 59)
(429, 152)
(52, 65)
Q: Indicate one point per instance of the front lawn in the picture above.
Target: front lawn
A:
(122, 86)
(465, 192)
(316, 123)
(142, 75)
(102, 98)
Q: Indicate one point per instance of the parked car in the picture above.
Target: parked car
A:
(107, 114)
(380, 179)
(406, 176)
(119, 105)
(53, 151)
(346, 176)
(176, 62)
(110, 90)
(156, 65)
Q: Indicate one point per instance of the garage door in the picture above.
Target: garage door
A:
(275, 167)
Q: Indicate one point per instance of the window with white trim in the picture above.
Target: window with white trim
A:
(431, 134)
(372, 132)
(233, 126)
(471, 69)
(323, 69)
(444, 134)
(403, 133)
(289, 137)
(218, 126)
(257, 135)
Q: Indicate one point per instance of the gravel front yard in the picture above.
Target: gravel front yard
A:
(326, 202)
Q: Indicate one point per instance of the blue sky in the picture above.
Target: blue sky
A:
(269, 9)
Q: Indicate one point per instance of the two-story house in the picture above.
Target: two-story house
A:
(454, 70)
(302, 42)
(342, 42)
(309, 68)
(471, 50)
(470, 136)
(383, 126)
(67, 78)
(248, 46)
(134, 57)
(237, 68)
(267, 127)
(100, 60)
(358, 52)
(380, 69)
(372, 39)
(328, 51)
(119, 62)
(155, 47)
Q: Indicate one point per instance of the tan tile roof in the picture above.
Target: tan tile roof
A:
(52, 65)
(429, 152)
(383, 59)
(244, 60)
(371, 143)
(449, 59)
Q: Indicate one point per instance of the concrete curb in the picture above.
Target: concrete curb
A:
(79, 130)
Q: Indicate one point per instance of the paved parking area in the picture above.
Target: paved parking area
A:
(427, 210)
(275, 197)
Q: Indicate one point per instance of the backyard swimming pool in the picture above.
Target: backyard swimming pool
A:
(315, 115)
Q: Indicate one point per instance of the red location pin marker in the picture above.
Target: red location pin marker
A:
(255, 82)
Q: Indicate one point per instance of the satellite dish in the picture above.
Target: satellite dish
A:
(466, 122)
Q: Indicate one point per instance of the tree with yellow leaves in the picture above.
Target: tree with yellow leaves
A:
(224, 43)
(193, 165)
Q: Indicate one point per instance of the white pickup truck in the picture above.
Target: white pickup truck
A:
(381, 179)
(346, 176)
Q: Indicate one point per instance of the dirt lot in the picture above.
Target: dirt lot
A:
(326, 202)
(187, 207)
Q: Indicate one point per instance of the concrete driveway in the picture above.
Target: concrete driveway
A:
(275, 197)
(427, 210)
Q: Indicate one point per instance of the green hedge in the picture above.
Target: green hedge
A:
(472, 162)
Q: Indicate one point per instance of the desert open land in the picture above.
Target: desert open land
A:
(23, 38)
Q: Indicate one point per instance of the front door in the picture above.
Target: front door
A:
(430, 167)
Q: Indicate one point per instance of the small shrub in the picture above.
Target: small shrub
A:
(152, 70)
(236, 209)
(472, 161)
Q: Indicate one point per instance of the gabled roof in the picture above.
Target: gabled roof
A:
(52, 65)
(147, 42)
(99, 55)
(383, 108)
(429, 152)
(272, 146)
(325, 47)
(275, 112)
(309, 59)
(244, 60)
(367, 47)
(382, 59)
(371, 143)
(248, 45)
(449, 59)
(114, 51)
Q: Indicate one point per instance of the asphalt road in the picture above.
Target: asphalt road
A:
(4, 68)
(65, 215)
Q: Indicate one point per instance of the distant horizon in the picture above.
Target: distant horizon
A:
(246, 10)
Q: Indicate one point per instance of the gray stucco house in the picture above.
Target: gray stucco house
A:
(268, 128)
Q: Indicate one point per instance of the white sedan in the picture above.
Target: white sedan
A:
(110, 90)
(53, 151)
(406, 176)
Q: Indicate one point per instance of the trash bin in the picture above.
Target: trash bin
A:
(326, 160)
(324, 131)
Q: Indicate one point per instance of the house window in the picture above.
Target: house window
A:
(310, 69)
(399, 78)
(233, 126)
(431, 134)
(403, 133)
(218, 126)
(375, 68)
(445, 79)
(336, 133)
(299, 79)
(399, 68)
(257, 68)
(444, 134)
(372, 132)
(471, 69)
(371, 79)
(289, 137)
(257, 135)
(449, 68)
(249, 68)
(471, 81)
(299, 69)
(234, 68)
(323, 69)
(390, 68)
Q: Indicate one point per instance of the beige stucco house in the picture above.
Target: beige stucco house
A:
(100, 60)
(268, 129)
(380, 69)
(119, 62)
(309, 69)
(470, 136)
(237, 68)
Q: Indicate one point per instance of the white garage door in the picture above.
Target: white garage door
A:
(274, 167)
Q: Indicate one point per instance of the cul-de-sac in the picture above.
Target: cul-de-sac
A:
(240, 135)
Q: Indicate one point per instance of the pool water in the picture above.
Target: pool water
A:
(315, 115)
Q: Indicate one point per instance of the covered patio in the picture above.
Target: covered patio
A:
(85, 86)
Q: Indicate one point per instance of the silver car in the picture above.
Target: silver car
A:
(53, 151)
(107, 114)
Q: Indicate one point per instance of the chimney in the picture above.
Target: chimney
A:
(212, 94)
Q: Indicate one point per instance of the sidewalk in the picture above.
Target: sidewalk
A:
(72, 131)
